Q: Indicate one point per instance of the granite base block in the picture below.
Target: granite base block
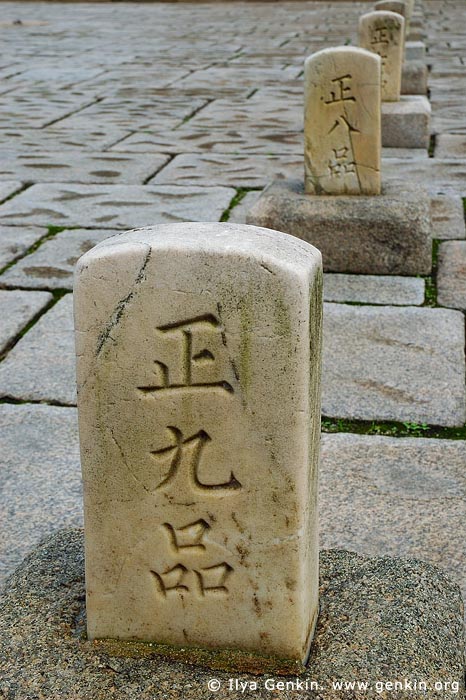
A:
(387, 234)
(415, 51)
(381, 620)
(414, 78)
(406, 124)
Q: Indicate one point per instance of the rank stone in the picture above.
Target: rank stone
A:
(198, 351)
(342, 122)
(383, 33)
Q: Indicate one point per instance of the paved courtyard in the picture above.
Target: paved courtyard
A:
(116, 116)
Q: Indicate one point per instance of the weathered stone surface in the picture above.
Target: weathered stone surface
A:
(376, 361)
(14, 241)
(381, 620)
(208, 325)
(398, 6)
(17, 308)
(414, 76)
(386, 235)
(374, 289)
(41, 366)
(116, 206)
(451, 275)
(100, 168)
(41, 478)
(415, 51)
(51, 266)
(447, 217)
(450, 146)
(382, 33)
(227, 170)
(342, 146)
(277, 139)
(138, 111)
(403, 497)
(44, 140)
(406, 124)
(440, 177)
(9, 188)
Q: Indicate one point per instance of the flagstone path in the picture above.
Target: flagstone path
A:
(120, 115)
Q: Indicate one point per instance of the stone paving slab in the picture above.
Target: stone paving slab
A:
(45, 140)
(228, 170)
(447, 217)
(226, 79)
(374, 289)
(239, 213)
(265, 110)
(41, 478)
(41, 367)
(37, 108)
(160, 112)
(15, 241)
(439, 176)
(115, 206)
(9, 188)
(17, 308)
(98, 168)
(389, 363)
(403, 497)
(376, 360)
(450, 145)
(451, 275)
(51, 266)
(237, 140)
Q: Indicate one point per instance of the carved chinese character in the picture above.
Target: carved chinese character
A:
(179, 578)
(185, 459)
(341, 164)
(184, 331)
(341, 91)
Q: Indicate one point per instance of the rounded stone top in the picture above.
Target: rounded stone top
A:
(222, 238)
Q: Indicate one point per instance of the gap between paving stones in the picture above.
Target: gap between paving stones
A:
(57, 295)
(51, 233)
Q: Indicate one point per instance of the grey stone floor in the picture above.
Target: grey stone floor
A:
(121, 115)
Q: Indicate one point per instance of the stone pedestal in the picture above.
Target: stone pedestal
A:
(387, 234)
(415, 51)
(381, 620)
(406, 124)
(414, 78)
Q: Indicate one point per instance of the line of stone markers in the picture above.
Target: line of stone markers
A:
(199, 353)
(352, 107)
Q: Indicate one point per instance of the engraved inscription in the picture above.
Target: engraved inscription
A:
(179, 579)
(213, 578)
(171, 580)
(187, 537)
(341, 90)
(184, 459)
(342, 162)
(184, 332)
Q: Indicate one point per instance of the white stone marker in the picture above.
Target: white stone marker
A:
(383, 33)
(198, 351)
(398, 6)
(342, 128)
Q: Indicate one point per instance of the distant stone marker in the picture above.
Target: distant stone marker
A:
(342, 128)
(398, 6)
(383, 34)
(198, 351)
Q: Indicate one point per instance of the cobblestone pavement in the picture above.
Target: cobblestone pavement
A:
(121, 115)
